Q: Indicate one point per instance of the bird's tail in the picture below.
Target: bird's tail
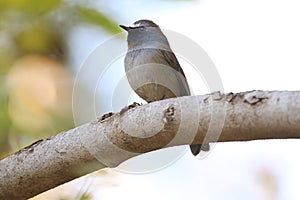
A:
(196, 148)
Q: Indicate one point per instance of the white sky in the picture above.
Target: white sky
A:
(254, 45)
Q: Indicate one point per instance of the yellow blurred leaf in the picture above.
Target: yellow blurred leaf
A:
(31, 6)
(39, 38)
(96, 17)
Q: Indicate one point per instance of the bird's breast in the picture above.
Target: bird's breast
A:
(151, 78)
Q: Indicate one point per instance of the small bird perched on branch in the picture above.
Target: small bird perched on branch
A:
(152, 68)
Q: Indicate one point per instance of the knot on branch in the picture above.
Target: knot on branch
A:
(169, 114)
(255, 97)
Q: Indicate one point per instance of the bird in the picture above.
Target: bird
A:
(152, 68)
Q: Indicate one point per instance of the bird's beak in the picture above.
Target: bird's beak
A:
(126, 28)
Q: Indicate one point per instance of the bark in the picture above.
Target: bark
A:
(113, 138)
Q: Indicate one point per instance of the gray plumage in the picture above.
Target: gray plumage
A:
(151, 67)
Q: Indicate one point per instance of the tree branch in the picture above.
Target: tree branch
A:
(114, 138)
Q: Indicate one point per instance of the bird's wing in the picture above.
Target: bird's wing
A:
(172, 61)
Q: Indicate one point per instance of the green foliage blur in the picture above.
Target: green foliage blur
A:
(39, 28)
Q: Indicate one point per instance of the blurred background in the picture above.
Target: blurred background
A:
(254, 45)
(37, 70)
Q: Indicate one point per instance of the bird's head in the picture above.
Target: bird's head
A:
(144, 31)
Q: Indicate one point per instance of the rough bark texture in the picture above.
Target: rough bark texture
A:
(113, 138)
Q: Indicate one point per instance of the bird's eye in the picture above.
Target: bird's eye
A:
(142, 28)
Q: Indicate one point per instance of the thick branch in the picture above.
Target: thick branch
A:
(118, 137)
